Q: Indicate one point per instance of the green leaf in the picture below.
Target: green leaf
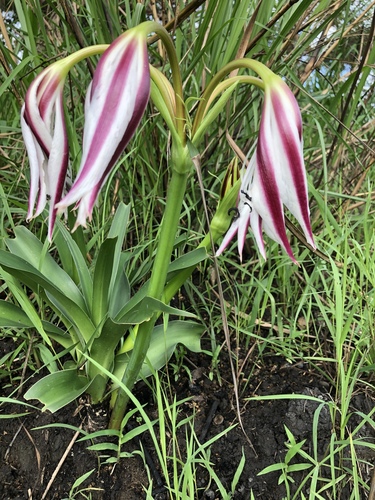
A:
(102, 279)
(159, 103)
(119, 227)
(103, 351)
(213, 113)
(30, 249)
(47, 357)
(119, 295)
(298, 467)
(63, 338)
(12, 316)
(81, 479)
(272, 468)
(188, 260)
(238, 472)
(26, 305)
(84, 275)
(17, 402)
(293, 451)
(13, 75)
(58, 389)
(146, 308)
(104, 433)
(104, 447)
(119, 288)
(34, 279)
(162, 346)
(131, 303)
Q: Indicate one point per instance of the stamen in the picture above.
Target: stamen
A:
(249, 198)
(235, 211)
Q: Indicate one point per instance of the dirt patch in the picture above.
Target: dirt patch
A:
(30, 456)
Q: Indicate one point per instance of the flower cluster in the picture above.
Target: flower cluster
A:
(116, 100)
(275, 175)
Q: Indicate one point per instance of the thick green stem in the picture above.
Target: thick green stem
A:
(218, 227)
(157, 287)
(176, 192)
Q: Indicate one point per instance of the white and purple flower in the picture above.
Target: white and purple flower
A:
(115, 103)
(116, 100)
(275, 175)
(44, 133)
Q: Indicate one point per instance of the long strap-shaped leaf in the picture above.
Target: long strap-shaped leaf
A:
(35, 280)
(27, 246)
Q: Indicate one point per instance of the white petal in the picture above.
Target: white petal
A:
(36, 162)
(228, 237)
(256, 227)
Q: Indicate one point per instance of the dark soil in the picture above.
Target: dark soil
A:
(31, 456)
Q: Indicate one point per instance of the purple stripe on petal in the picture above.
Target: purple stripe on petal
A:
(256, 227)
(58, 163)
(289, 133)
(33, 117)
(266, 164)
(46, 95)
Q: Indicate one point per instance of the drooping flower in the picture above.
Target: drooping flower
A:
(116, 100)
(275, 175)
(44, 133)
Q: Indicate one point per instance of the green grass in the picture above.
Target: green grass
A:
(322, 312)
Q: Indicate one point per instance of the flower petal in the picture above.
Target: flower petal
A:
(228, 237)
(57, 163)
(266, 195)
(256, 227)
(45, 136)
(36, 161)
(291, 175)
(243, 226)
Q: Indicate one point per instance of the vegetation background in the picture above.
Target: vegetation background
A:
(321, 314)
